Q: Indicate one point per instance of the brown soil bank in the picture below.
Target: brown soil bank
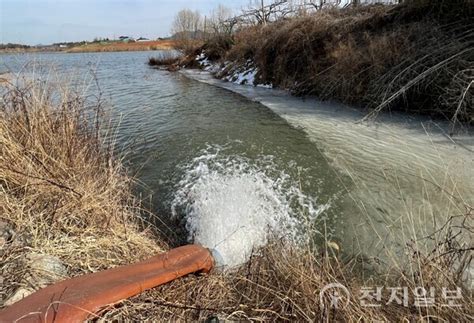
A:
(417, 56)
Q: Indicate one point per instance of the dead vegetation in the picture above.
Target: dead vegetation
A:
(164, 59)
(417, 56)
(284, 283)
(173, 61)
(63, 193)
(117, 46)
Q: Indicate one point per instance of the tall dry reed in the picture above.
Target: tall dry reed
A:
(63, 192)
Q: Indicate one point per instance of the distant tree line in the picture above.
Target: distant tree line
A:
(13, 46)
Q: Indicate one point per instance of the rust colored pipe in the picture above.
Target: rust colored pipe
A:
(76, 299)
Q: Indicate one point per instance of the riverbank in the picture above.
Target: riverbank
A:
(414, 57)
(30, 50)
(62, 188)
(93, 47)
(123, 46)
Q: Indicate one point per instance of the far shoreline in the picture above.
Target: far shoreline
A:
(115, 46)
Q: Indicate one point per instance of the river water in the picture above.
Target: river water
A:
(228, 166)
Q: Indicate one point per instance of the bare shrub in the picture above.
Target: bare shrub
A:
(187, 45)
(165, 58)
(217, 46)
(246, 43)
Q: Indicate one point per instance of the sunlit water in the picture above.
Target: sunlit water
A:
(225, 171)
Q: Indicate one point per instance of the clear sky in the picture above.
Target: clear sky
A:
(46, 21)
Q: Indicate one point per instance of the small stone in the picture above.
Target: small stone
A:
(6, 232)
(6, 235)
(40, 271)
(44, 269)
(19, 294)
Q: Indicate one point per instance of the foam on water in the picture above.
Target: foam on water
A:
(233, 206)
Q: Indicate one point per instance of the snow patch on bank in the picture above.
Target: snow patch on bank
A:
(242, 74)
(206, 64)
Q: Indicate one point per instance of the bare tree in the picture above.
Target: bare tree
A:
(187, 21)
(187, 29)
(263, 12)
(221, 20)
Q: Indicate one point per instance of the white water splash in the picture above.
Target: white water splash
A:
(232, 206)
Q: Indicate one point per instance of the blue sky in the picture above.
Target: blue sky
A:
(46, 21)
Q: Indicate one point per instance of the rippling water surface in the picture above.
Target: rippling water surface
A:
(226, 168)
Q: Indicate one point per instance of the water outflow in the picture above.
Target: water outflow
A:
(233, 206)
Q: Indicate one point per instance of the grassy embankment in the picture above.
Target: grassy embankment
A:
(64, 194)
(86, 47)
(123, 46)
(416, 57)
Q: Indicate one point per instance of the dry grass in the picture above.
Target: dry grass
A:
(164, 59)
(283, 283)
(173, 61)
(65, 195)
(187, 45)
(417, 57)
(124, 47)
(62, 190)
